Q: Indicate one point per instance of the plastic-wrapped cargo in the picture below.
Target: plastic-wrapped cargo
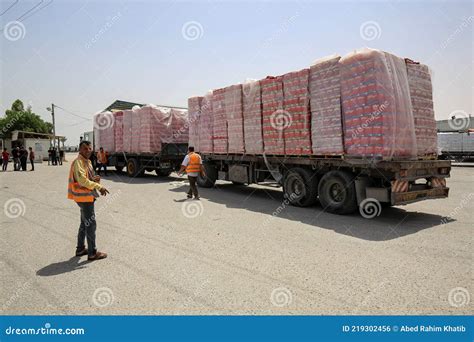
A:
(118, 131)
(326, 120)
(235, 120)
(376, 106)
(219, 121)
(252, 113)
(205, 125)
(421, 94)
(274, 118)
(194, 108)
(179, 126)
(104, 134)
(297, 129)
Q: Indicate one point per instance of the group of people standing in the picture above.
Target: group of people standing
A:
(20, 157)
(55, 157)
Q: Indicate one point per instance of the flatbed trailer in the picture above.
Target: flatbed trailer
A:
(163, 163)
(342, 185)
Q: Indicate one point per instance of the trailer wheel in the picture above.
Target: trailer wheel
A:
(133, 168)
(118, 168)
(300, 187)
(211, 176)
(337, 192)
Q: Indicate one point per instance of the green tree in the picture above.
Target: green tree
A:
(19, 118)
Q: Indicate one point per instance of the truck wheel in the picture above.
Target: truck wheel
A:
(337, 192)
(163, 173)
(118, 168)
(133, 168)
(211, 176)
(300, 187)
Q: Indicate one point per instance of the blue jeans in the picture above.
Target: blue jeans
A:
(87, 228)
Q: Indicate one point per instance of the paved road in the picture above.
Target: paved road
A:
(244, 252)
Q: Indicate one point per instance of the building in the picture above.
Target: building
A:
(119, 105)
(450, 125)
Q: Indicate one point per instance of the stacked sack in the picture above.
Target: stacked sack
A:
(421, 93)
(118, 131)
(273, 115)
(104, 133)
(235, 121)
(326, 123)
(179, 126)
(219, 121)
(127, 130)
(205, 125)
(194, 108)
(252, 113)
(376, 106)
(296, 115)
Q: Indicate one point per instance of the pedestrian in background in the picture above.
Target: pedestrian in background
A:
(50, 159)
(54, 156)
(16, 159)
(23, 158)
(82, 188)
(5, 158)
(101, 161)
(192, 164)
(61, 156)
(32, 158)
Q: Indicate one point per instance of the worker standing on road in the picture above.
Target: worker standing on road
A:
(16, 159)
(32, 158)
(192, 164)
(5, 157)
(82, 188)
(23, 158)
(101, 161)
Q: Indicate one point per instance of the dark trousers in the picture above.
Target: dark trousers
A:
(100, 166)
(23, 162)
(32, 164)
(87, 228)
(4, 165)
(16, 164)
(193, 190)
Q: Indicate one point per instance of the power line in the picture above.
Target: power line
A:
(40, 9)
(72, 113)
(9, 7)
(31, 9)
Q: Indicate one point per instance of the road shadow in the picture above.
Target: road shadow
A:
(393, 222)
(148, 177)
(62, 267)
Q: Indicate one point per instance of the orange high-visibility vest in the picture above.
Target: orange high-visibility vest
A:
(102, 157)
(75, 191)
(194, 164)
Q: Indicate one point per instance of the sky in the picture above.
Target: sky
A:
(83, 55)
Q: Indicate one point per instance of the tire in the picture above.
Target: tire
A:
(300, 187)
(211, 176)
(337, 192)
(163, 173)
(133, 168)
(118, 168)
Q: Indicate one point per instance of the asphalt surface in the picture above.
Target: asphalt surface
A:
(240, 250)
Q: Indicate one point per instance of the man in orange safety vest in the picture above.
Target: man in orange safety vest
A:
(192, 164)
(82, 188)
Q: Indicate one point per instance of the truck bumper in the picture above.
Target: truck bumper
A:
(401, 198)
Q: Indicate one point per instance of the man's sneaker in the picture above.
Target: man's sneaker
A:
(97, 256)
(81, 252)
(190, 196)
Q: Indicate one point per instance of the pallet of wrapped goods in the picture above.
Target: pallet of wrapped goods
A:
(194, 108)
(325, 93)
(296, 114)
(127, 130)
(376, 106)
(104, 131)
(118, 131)
(252, 113)
(234, 117)
(179, 126)
(219, 121)
(421, 94)
(273, 115)
(205, 125)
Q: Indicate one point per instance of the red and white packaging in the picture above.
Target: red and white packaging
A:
(252, 114)
(219, 121)
(273, 116)
(194, 108)
(104, 134)
(118, 131)
(234, 116)
(205, 125)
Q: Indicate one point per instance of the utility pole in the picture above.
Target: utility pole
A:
(54, 124)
